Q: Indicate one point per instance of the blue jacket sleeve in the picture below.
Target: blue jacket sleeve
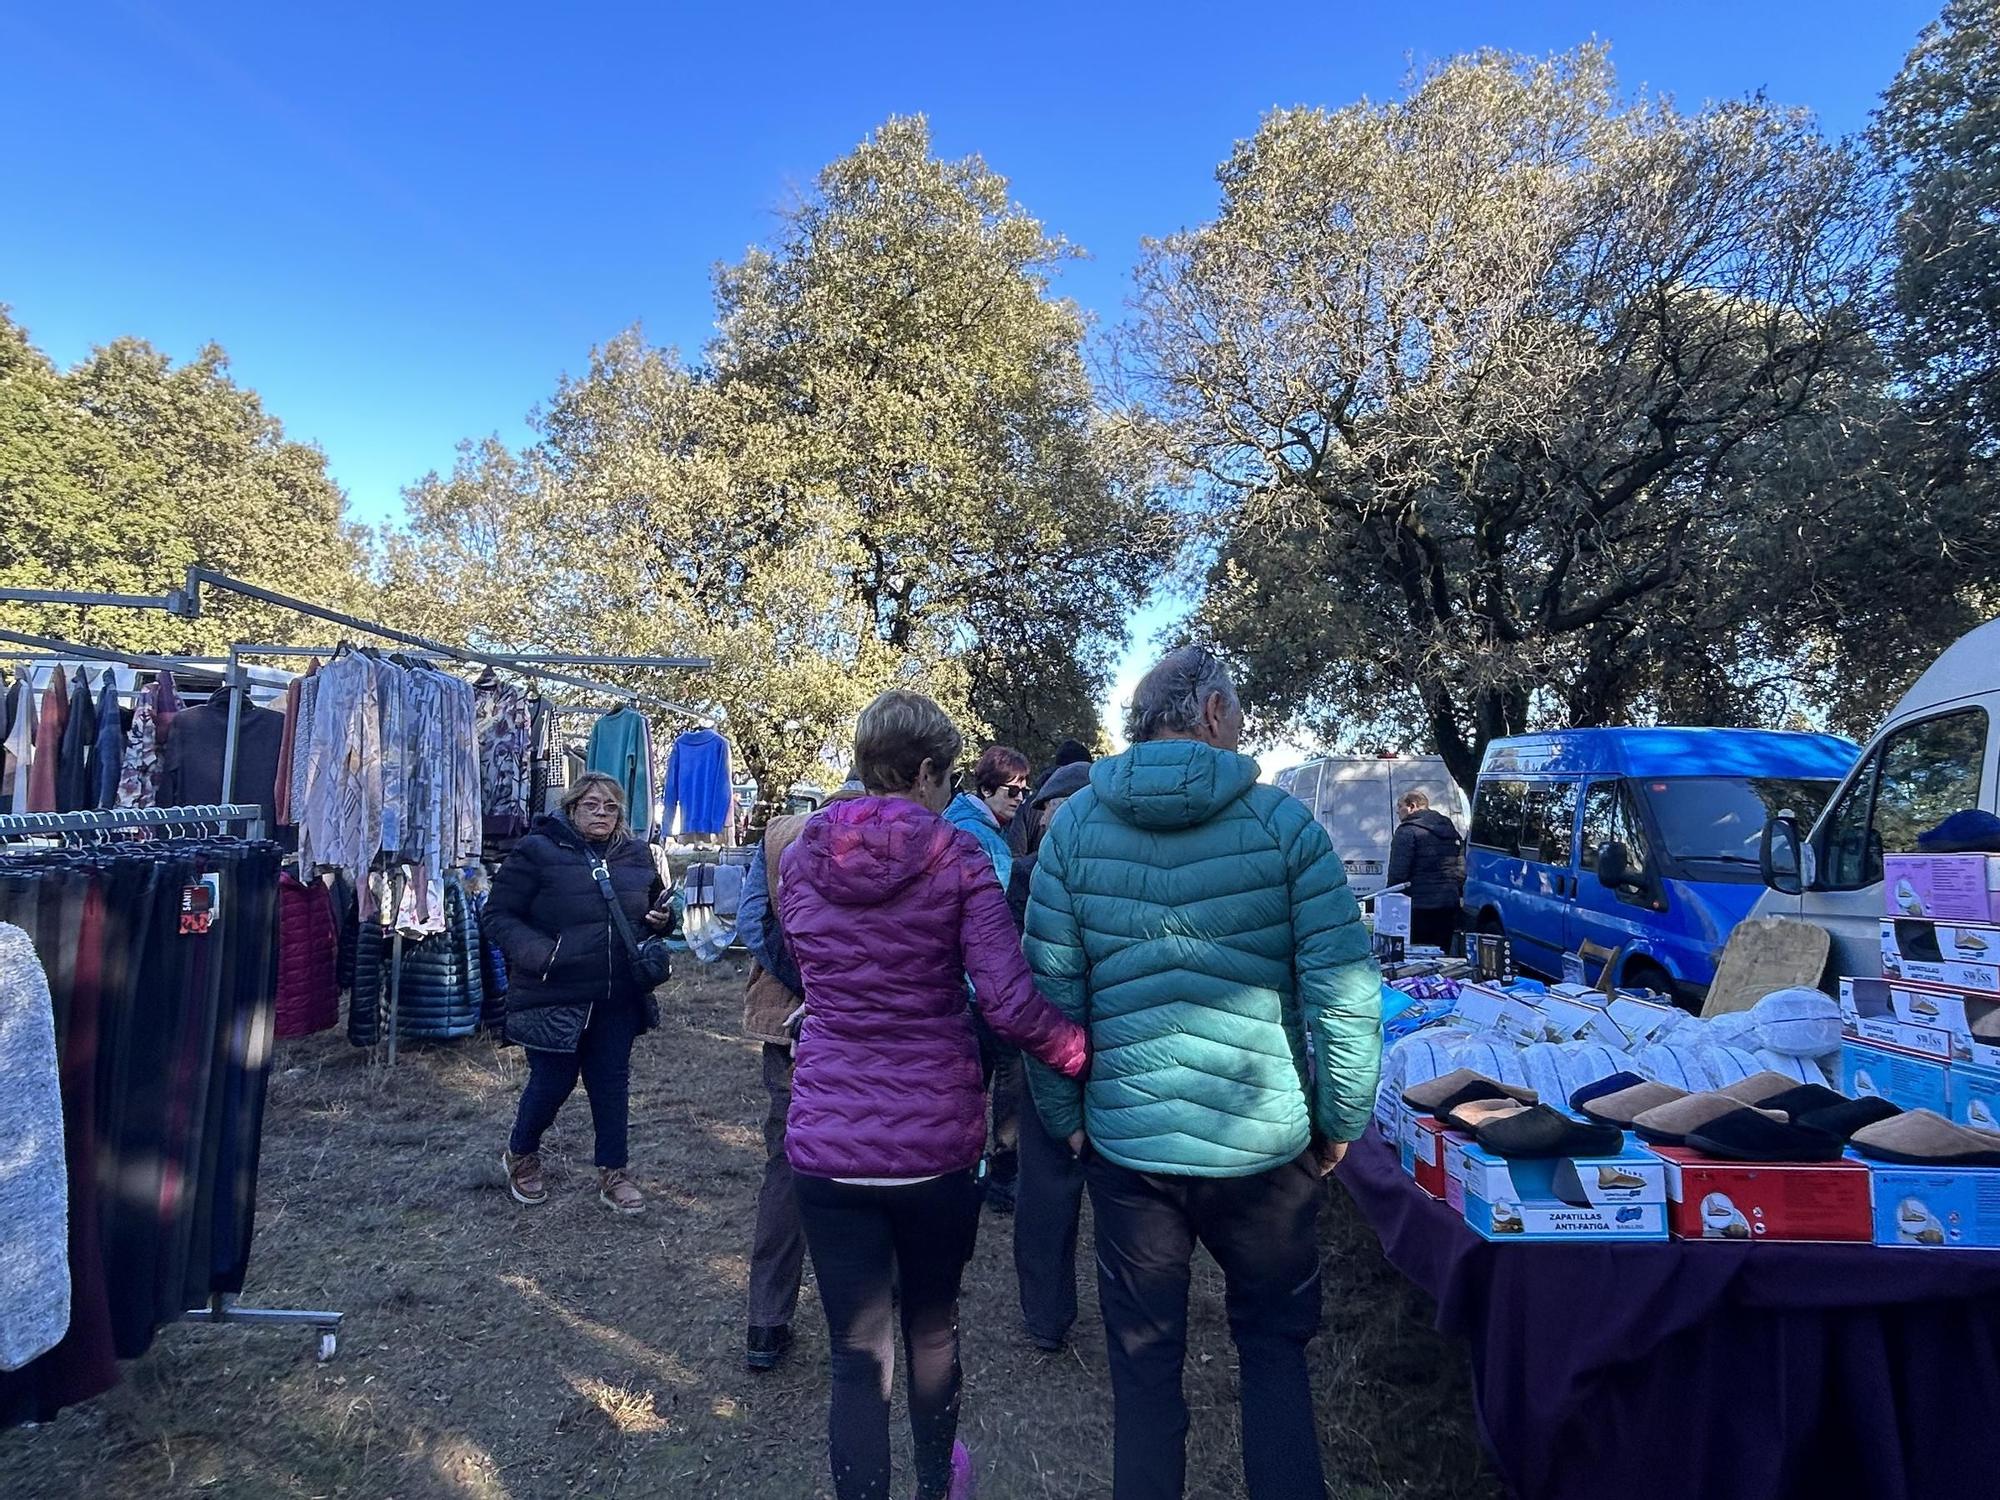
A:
(1339, 982)
(1062, 972)
(757, 922)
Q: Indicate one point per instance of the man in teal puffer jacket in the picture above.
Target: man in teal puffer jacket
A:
(1199, 924)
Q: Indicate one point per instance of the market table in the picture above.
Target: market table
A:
(1713, 1369)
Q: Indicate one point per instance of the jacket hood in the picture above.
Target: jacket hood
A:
(861, 853)
(1171, 783)
(966, 808)
(1435, 823)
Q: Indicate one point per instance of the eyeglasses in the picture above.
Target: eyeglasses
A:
(1015, 790)
(597, 807)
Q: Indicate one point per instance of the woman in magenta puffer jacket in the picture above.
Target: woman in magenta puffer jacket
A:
(888, 908)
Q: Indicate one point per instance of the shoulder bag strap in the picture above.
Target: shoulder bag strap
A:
(601, 873)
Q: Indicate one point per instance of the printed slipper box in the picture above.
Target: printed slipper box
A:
(1746, 1202)
(1503, 1199)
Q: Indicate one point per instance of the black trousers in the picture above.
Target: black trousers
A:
(1261, 1232)
(1434, 926)
(603, 1059)
(1048, 1208)
(864, 1240)
(778, 1248)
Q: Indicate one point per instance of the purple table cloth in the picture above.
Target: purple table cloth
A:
(1719, 1370)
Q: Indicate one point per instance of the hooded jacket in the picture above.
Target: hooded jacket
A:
(1200, 924)
(1428, 853)
(976, 818)
(563, 955)
(888, 908)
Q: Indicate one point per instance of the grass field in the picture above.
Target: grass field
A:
(497, 1353)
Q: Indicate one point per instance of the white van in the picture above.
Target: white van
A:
(1354, 798)
(1933, 756)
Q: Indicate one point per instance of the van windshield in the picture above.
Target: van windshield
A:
(1720, 819)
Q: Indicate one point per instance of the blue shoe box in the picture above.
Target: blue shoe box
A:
(1936, 1208)
(1906, 1079)
(1510, 1199)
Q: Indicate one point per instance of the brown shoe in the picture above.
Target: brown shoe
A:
(618, 1192)
(524, 1177)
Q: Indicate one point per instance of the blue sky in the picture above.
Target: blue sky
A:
(403, 222)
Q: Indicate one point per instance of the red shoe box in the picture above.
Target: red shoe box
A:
(1423, 1150)
(1734, 1200)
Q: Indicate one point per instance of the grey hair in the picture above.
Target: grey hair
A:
(1173, 697)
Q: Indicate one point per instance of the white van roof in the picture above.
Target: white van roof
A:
(1963, 669)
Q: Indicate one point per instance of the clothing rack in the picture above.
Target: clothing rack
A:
(185, 603)
(223, 1307)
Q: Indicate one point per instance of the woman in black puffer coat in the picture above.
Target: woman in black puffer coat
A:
(573, 999)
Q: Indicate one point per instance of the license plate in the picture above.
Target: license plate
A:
(1363, 866)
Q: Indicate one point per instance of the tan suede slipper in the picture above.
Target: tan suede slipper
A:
(1625, 1106)
(1473, 1113)
(1922, 1137)
(1759, 1086)
(1427, 1096)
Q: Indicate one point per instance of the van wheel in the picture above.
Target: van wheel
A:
(1644, 974)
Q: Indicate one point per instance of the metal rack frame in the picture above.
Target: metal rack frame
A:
(223, 1307)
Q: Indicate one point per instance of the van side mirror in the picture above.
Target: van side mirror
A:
(1778, 856)
(1614, 869)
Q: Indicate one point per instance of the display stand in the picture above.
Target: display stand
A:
(223, 1308)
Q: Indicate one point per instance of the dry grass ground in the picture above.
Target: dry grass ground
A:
(495, 1353)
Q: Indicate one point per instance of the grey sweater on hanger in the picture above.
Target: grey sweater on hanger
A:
(34, 1190)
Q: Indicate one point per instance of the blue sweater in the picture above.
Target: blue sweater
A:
(697, 782)
(969, 813)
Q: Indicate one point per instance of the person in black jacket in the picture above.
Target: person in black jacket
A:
(573, 1000)
(1428, 855)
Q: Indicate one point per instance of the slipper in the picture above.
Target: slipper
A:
(1435, 1094)
(1539, 1131)
(1746, 1134)
(1625, 1106)
(1471, 1114)
(1669, 1124)
(1848, 1116)
(1803, 1099)
(1923, 1138)
(1760, 1086)
(1603, 1086)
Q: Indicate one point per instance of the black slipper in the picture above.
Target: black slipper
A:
(1603, 1086)
(1542, 1131)
(1804, 1099)
(1752, 1135)
(1848, 1116)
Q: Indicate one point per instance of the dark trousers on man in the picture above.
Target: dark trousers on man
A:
(1261, 1232)
(1048, 1207)
(1434, 926)
(1006, 1081)
(778, 1249)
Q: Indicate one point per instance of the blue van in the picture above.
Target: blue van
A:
(1642, 839)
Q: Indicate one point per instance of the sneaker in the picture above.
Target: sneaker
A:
(618, 1192)
(999, 1196)
(767, 1347)
(524, 1177)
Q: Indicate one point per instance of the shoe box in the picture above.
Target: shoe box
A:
(1975, 1096)
(1502, 1198)
(1750, 1201)
(1422, 1148)
(1937, 1208)
(1909, 1080)
(1942, 887)
(1957, 956)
